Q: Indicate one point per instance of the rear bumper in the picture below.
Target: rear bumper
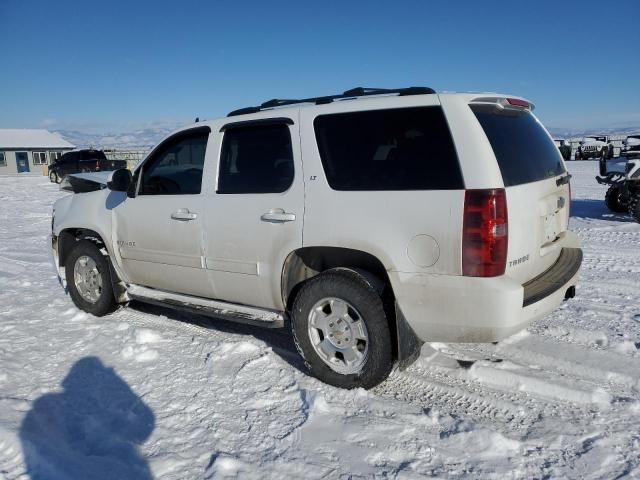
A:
(554, 279)
(446, 308)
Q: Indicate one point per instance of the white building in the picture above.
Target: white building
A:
(27, 150)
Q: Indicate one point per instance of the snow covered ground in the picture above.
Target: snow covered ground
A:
(150, 393)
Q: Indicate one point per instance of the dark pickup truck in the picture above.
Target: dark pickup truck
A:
(82, 161)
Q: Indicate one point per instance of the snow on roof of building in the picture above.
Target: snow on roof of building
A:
(31, 138)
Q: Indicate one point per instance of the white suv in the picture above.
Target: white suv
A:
(373, 221)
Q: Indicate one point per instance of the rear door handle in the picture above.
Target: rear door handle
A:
(277, 215)
(184, 215)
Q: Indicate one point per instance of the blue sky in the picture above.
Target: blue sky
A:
(117, 65)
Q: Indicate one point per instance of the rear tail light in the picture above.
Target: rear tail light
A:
(484, 233)
(97, 164)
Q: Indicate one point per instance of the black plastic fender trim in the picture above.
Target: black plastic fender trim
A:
(409, 345)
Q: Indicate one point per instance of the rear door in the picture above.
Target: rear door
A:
(536, 184)
(254, 218)
(69, 163)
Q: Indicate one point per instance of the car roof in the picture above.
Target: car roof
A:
(364, 103)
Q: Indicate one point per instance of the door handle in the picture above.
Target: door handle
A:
(277, 215)
(184, 214)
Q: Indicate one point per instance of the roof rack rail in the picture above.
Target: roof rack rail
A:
(352, 93)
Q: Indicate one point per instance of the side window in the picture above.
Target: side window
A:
(396, 149)
(70, 157)
(256, 159)
(176, 168)
(92, 155)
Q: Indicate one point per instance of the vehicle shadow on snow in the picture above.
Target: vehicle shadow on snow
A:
(586, 208)
(92, 429)
(279, 339)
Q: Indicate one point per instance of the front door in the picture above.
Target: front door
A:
(254, 218)
(158, 233)
(22, 162)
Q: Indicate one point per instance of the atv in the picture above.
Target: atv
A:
(624, 188)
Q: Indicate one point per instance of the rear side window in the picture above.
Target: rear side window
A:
(524, 151)
(396, 149)
(256, 159)
(69, 157)
(92, 155)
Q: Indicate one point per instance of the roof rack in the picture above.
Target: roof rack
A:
(353, 93)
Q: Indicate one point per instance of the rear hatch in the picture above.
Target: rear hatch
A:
(536, 184)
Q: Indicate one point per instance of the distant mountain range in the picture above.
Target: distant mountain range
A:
(571, 133)
(145, 139)
(141, 140)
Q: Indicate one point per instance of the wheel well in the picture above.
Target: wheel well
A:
(307, 262)
(68, 238)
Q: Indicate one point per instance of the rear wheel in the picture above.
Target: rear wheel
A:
(615, 200)
(341, 330)
(89, 280)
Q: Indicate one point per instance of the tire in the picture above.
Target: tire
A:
(614, 201)
(578, 156)
(602, 167)
(364, 309)
(53, 177)
(634, 207)
(104, 302)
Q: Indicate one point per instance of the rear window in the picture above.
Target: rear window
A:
(524, 151)
(92, 155)
(396, 149)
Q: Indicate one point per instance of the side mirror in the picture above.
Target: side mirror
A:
(119, 180)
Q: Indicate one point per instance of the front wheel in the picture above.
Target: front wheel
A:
(614, 200)
(89, 280)
(53, 177)
(341, 330)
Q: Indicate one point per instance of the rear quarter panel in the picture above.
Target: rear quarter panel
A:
(386, 224)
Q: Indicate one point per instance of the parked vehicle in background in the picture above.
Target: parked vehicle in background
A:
(79, 161)
(564, 147)
(631, 147)
(373, 220)
(594, 147)
(623, 194)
